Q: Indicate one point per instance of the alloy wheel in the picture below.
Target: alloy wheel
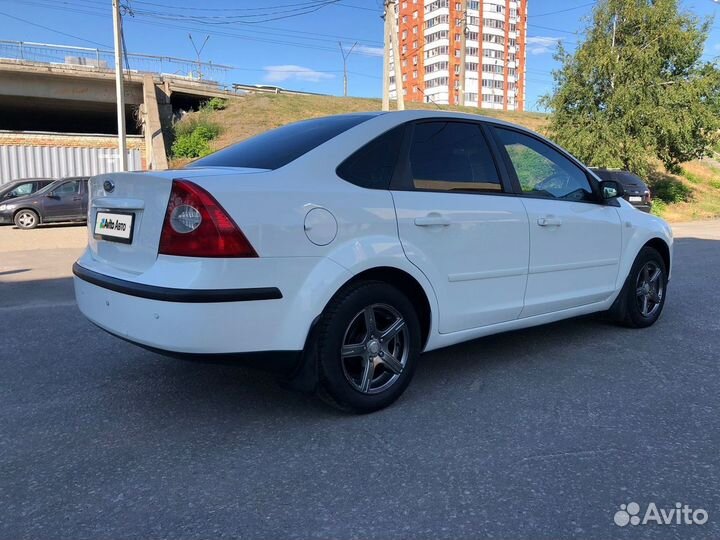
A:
(649, 289)
(26, 220)
(375, 349)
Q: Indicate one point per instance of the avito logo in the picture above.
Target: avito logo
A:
(679, 515)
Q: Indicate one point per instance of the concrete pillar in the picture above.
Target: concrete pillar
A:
(152, 126)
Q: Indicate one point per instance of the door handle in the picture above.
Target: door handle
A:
(549, 221)
(432, 221)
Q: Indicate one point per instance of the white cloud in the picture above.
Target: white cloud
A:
(542, 44)
(289, 72)
(369, 51)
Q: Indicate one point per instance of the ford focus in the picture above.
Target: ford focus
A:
(337, 250)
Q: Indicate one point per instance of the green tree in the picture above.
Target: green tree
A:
(637, 88)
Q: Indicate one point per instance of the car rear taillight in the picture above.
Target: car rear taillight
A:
(197, 226)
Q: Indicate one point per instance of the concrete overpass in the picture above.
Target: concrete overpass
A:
(67, 98)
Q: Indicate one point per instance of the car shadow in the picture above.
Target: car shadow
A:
(57, 225)
(18, 271)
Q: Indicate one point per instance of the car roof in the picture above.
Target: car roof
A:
(626, 178)
(400, 117)
(12, 183)
(420, 114)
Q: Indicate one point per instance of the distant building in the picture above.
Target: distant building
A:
(429, 37)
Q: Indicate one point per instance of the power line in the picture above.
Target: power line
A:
(257, 29)
(563, 10)
(247, 19)
(228, 10)
(53, 30)
(229, 67)
(553, 29)
(338, 3)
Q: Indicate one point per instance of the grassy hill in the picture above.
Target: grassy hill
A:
(693, 195)
(253, 114)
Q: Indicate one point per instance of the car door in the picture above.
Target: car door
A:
(575, 238)
(459, 224)
(63, 202)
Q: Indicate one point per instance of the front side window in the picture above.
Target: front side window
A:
(543, 171)
(372, 166)
(68, 188)
(276, 148)
(22, 189)
(452, 156)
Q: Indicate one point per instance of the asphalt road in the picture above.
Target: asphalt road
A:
(541, 433)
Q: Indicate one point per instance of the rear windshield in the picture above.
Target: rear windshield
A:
(625, 177)
(276, 148)
(603, 174)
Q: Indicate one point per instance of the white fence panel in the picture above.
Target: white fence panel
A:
(58, 162)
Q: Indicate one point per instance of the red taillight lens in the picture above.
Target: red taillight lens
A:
(197, 226)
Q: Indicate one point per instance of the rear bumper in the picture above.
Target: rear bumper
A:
(179, 327)
(643, 207)
(170, 294)
(185, 307)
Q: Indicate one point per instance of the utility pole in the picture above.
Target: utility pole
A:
(345, 57)
(612, 47)
(386, 59)
(198, 52)
(390, 15)
(463, 51)
(119, 86)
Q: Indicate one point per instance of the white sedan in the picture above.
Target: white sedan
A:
(338, 249)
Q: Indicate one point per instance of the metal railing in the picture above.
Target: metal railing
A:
(102, 59)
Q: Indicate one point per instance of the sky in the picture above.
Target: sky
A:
(289, 43)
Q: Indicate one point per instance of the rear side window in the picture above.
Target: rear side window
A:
(452, 156)
(373, 165)
(276, 148)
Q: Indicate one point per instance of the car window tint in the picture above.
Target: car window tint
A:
(22, 189)
(628, 178)
(543, 171)
(276, 148)
(603, 174)
(452, 156)
(373, 165)
(68, 188)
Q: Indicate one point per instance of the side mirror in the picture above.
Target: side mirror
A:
(52, 195)
(610, 189)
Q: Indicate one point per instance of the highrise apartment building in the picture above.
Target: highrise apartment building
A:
(430, 48)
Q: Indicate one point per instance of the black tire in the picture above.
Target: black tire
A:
(629, 308)
(342, 378)
(27, 219)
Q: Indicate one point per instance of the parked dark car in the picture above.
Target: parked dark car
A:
(636, 191)
(23, 187)
(62, 200)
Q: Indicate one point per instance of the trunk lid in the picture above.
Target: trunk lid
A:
(144, 195)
